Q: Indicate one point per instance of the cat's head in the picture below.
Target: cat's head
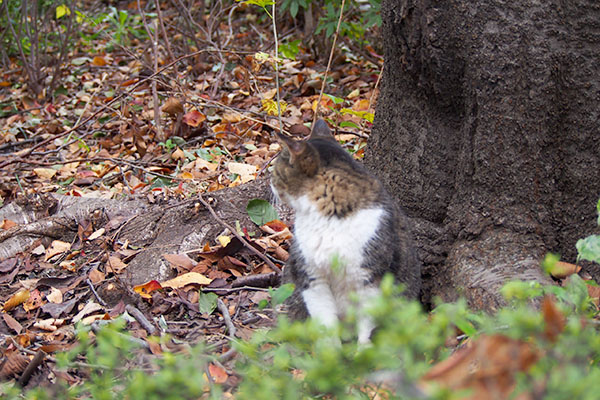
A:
(320, 170)
(299, 161)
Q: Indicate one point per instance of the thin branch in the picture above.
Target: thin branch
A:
(226, 317)
(337, 30)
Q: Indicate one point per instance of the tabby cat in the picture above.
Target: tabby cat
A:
(348, 232)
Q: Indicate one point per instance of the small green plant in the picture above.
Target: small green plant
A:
(589, 248)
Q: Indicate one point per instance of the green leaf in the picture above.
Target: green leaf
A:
(348, 124)
(261, 212)
(279, 295)
(207, 303)
(465, 326)
(589, 248)
(62, 10)
(336, 100)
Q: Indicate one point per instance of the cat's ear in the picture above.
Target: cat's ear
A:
(321, 130)
(301, 154)
(294, 147)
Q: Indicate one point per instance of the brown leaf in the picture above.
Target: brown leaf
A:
(173, 107)
(8, 264)
(561, 269)
(57, 247)
(96, 276)
(554, 319)
(194, 118)
(180, 261)
(55, 296)
(99, 61)
(34, 301)
(594, 293)
(487, 368)
(115, 265)
(12, 323)
(16, 299)
(15, 364)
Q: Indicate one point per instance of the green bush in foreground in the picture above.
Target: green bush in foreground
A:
(302, 361)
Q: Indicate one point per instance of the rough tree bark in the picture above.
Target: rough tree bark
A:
(488, 128)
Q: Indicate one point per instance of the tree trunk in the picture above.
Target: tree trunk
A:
(488, 128)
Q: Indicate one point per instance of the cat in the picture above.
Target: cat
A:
(348, 231)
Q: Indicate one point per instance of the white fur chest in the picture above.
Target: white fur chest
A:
(334, 247)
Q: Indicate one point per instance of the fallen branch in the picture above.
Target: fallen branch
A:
(226, 317)
(141, 318)
(257, 281)
(239, 237)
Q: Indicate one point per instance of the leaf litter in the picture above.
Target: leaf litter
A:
(96, 137)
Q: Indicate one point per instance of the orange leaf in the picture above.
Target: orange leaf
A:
(7, 224)
(276, 225)
(218, 374)
(554, 319)
(99, 61)
(129, 82)
(194, 118)
(147, 288)
(16, 299)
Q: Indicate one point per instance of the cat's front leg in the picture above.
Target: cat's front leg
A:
(320, 303)
(365, 324)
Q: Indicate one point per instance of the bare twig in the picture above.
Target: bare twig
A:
(162, 29)
(33, 364)
(91, 285)
(337, 30)
(226, 317)
(239, 237)
(141, 318)
(277, 67)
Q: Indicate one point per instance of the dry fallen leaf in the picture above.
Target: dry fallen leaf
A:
(194, 118)
(57, 247)
(218, 374)
(486, 369)
(89, 308)
(561, 269)
(115, 265)
(246, 172)
(96, 234)
(180, 260)
(186, 279)
(554, 319)
(45, 173)
(14, 365)
(50, 324)
(96, 276)
(145, 289)
(55, 296)
(173, 107)
(12, 323)
(18, 298)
